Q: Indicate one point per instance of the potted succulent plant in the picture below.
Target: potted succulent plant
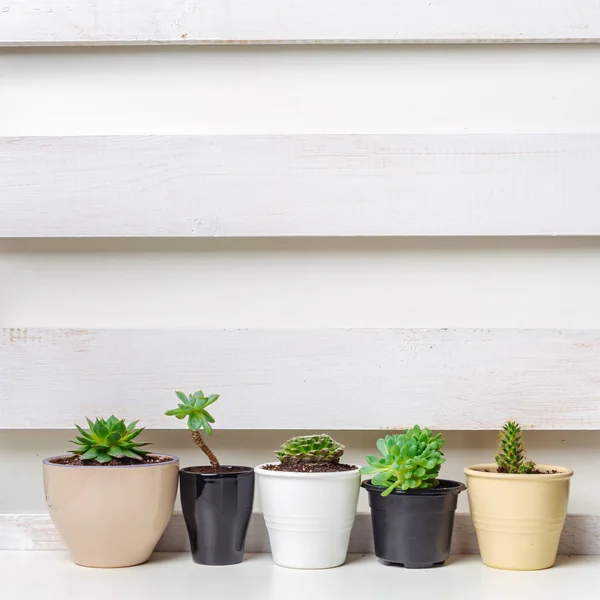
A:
(518, 507)
(412, 511)
(109, 499)
(216, 499)
(309, 502)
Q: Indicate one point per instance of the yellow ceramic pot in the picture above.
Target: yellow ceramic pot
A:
(111, 516)
(518, 518)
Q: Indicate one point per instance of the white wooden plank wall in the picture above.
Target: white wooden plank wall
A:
(260, 90)
(300, 283)
(60, 22)
(320, 185)
(324, 379)
(304, 182)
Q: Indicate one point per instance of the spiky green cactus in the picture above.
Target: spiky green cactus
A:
(310, 449)
(511, 454)
(107, 439)
(411, 460)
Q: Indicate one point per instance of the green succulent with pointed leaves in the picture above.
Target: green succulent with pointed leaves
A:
(311, 449)
(107, 439)
(411, 460)
(511, 453)
(193, 406)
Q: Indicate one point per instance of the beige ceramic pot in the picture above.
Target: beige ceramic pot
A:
(111, 516)
(518, 518)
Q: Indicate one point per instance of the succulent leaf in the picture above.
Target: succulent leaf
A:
(107, 439)
(310, 448)
(193, 406)
(90, 454)
(511, 453)
(411, 460)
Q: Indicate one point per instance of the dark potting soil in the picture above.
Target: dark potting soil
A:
(305, 467)
(553, 472)
(208, 470)
(75, 461)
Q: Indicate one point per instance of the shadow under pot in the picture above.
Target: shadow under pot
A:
(413, 528)
(217, 508)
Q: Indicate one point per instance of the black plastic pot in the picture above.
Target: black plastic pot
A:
(413, 528)
(217, 510)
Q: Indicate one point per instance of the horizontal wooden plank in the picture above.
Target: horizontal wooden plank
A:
(97, 22)
(300, 185)
(324, 379)
(36, 532)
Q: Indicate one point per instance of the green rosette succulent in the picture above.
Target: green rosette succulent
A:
(310, 449)
(193, 407)
(410, 460)
(107, 439)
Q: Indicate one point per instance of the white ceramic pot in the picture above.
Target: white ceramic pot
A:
(309, 516)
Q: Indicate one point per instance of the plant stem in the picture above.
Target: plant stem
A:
(209, 453)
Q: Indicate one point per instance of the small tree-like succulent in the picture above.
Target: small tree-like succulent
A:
(310, 449)
(411, 460)
(511, 454)
(193, 406)
(107, 439)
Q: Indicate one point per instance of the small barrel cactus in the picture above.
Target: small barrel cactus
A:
(511, 454)
(411, 460)
(107, 439)
(310, 448)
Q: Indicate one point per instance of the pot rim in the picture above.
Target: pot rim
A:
(259, 469)
(456, 488)
(174, 459)
(237, 473)
(487, 471)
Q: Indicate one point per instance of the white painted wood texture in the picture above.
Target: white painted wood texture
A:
(312, 283)
(581, 534)
(300, 185)
(96, 22)
(262, 90)
(305, 379)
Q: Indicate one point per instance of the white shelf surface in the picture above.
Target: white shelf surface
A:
(52, 576)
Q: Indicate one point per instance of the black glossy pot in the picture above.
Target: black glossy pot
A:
(413, 528)
(217, 510)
